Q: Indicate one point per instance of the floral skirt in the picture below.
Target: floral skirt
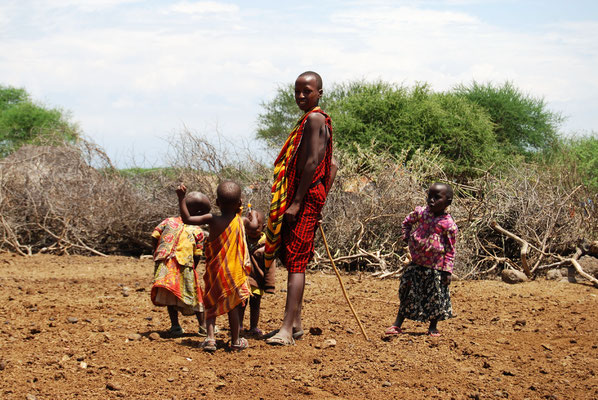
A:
(422, 295)
(177, 286)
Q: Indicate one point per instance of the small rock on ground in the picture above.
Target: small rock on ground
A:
(554, 275)
(134, 336)
(513, 276)
(112, 385)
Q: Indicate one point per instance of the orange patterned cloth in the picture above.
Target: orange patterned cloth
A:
(176, 282)
(177, 240)
(227, 269)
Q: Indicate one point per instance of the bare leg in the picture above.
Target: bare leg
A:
(174, 317)
(254, 311)
(242, 315)
(201, 320)
(210, 323)
(234, 317)
(292, 310)
(433, 329)
(399, 320)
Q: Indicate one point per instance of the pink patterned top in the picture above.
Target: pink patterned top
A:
(431, 239)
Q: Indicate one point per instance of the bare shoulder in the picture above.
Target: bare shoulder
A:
(316, 119)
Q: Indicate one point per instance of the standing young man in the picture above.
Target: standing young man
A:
(303, 174)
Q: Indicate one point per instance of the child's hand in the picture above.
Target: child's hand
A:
(181, 191)
(445, 278)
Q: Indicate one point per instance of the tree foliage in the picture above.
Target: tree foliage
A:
(472, 126)
(24, 121)
(581, 155)
(522, 123)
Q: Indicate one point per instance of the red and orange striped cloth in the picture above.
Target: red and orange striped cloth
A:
(283, 188)
(227, 269)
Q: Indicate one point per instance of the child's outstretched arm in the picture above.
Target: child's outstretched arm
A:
(185, 216)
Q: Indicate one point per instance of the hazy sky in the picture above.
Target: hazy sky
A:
(133, 73)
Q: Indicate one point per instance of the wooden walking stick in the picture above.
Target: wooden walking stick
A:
(338, 275)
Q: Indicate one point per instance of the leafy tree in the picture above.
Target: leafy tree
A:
(393, 118)
(522, 123)
(23, 121)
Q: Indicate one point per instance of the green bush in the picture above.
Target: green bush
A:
(22, 121)
(581, 155)
(395, 118)
(522, 123)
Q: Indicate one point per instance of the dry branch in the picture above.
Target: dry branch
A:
(524, 245)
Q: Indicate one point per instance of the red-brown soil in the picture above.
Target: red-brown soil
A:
(533, 340)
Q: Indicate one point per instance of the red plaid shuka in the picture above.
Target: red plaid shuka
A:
(295, 243)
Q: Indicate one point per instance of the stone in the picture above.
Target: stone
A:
(83, 365)
(73, 320)
(554, 275)
(30, 396)
(329, 343)
(386, 384)
(154, 336)
(512, 276)
(113, 385)
(134, 336)
(2, 365)
(590, 265)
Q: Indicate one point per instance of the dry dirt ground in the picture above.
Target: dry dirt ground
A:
(67, 331)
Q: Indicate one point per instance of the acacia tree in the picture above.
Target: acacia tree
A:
(522, 123)
(24, 121)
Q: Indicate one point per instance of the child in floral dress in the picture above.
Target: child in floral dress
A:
(431, 234)
(177, 248)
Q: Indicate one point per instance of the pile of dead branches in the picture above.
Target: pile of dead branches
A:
(70, 199)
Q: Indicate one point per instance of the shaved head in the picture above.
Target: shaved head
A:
(229, 194)
(197, 203)
(315, 75)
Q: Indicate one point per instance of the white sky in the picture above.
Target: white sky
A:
(132, 73)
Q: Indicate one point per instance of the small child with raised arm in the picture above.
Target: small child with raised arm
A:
(226, 286)
(177, 248)
(261, 279)
(431, 234)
